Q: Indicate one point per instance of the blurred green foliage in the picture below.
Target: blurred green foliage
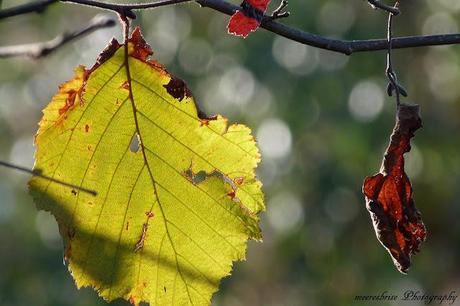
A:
(322, 121)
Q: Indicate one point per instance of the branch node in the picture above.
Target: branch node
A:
(128, 13)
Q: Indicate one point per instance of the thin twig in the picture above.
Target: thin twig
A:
(279, 11)
(126, 9)
(33, 7)
(39, 174)
(382, 6)
(128, 6)
(123, 9)
(37, 50)
(392, 78)
(341, 46)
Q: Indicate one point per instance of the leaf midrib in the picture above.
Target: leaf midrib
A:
(134, 109)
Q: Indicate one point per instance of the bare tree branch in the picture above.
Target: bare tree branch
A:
(128, 6)
(33, 7)
(341, 46)
(126, 9)
(37, 50)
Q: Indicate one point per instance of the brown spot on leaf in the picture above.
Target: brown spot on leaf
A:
(89, 148)
(204, 122)
(141, 49)
(178, 89)
(132, 300)
(140, 243)
(231, 194)
(397, 222)
(71, 233)
(71, 91)
(74, 192)
(202, 115)
(86, 128)
(239, 180)
(125, 85)
(68, 251)
(127, 226)
(69, 102)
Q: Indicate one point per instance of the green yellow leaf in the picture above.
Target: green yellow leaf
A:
(177, 196)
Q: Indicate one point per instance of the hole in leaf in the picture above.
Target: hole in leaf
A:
(135, 143)
(195, 178)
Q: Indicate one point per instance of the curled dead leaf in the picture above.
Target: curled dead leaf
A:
(397, 222)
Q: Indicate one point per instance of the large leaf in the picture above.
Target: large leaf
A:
(173, 211)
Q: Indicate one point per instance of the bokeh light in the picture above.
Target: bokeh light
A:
(366, 101)
(274, 138)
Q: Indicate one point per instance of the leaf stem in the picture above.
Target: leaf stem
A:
(392, 78)
(126, 24)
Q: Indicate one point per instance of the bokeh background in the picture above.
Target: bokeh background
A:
(322, 121)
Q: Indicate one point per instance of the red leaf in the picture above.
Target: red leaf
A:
(397, 222)
(259, 4)
(248, 18)
(240, 25)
